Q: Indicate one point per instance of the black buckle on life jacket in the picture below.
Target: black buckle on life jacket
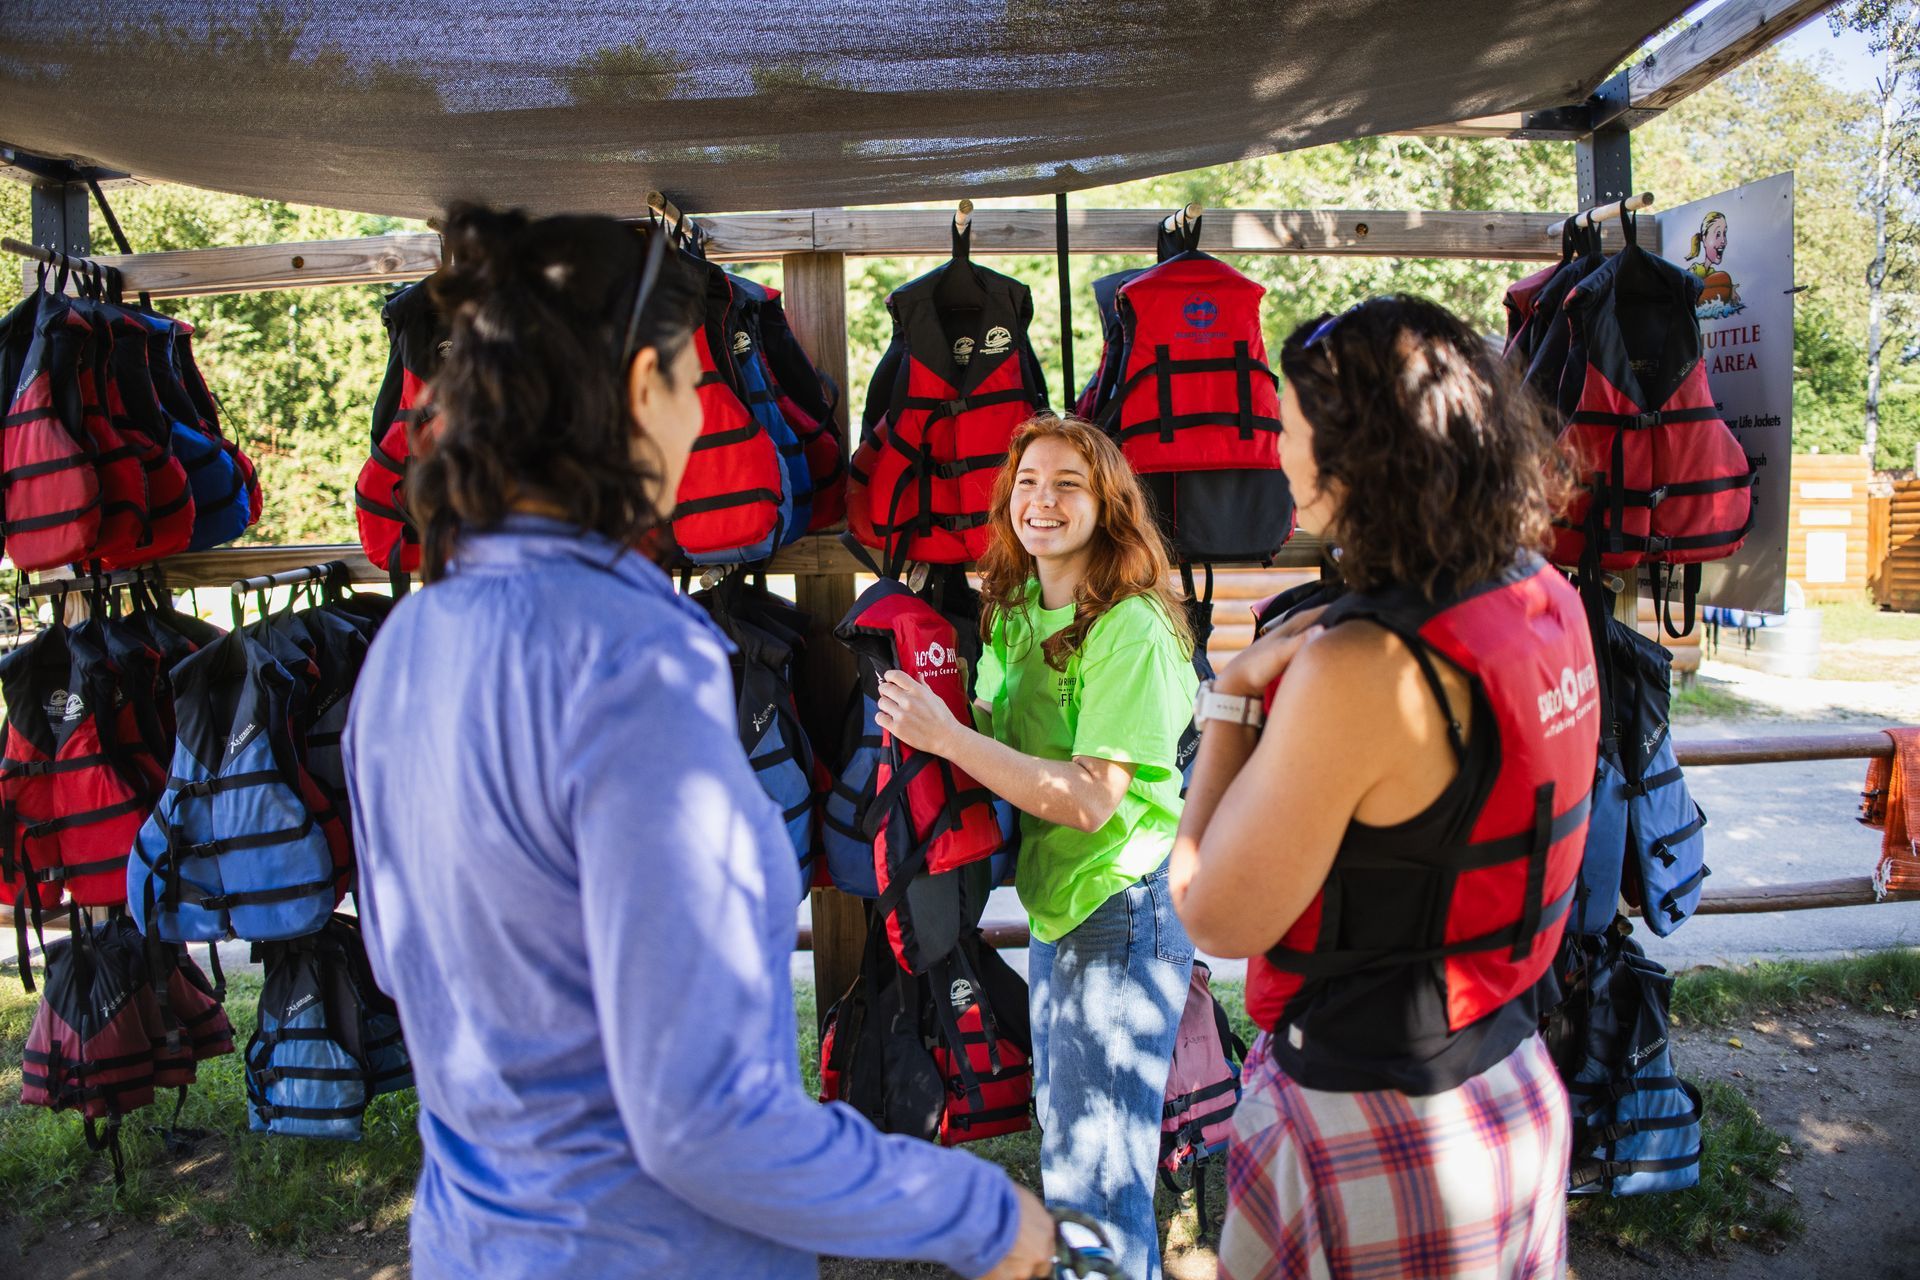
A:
(266, 1076)
(1656, 496)
(195, 790)
(205, 849)
(1643, 421)
(215, 902)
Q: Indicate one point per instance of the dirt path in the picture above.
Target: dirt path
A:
(1842, 1086)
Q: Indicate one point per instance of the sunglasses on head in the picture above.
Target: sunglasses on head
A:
(649, 276)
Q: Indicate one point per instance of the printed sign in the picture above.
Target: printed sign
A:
(1740, 246)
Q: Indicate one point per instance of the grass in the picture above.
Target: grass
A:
(1860, 642)
(1699, 700)
(302, 1194)
(1853, 620)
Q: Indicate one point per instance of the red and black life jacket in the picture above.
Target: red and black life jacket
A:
(134, 407)
(1417, 964)
(1195, 408)
(417, 337)
(932, 827)
(116, 460)
(957, 380)
(69, 804)
(48, 487)
(1666, 481)
(803, 396)
(1521, 298)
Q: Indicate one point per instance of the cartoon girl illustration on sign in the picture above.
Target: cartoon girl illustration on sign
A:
(1718, 295)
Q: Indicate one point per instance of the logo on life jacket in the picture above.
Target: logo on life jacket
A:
(66, 707)
(1566, 697)
(937, 660)
(445, 346)
(998, 340)
(1200, 312)
(963, 351)
(299, 1004)
(960, 994)
(761, 718)
(742, 344)
(239, 739)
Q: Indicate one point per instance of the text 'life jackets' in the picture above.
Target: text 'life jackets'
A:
(1418, 937)
(958, 378)
(926, 823)
(417, 339)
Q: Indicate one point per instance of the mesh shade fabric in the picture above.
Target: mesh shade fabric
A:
(728, 105)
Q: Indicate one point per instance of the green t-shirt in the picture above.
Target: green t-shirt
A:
(1127, 696)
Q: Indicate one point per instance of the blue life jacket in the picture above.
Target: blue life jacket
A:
(763, 402)
(328, 1040)
(1636, 1125)
(234, 848)
(1644, 835)
(766, 631)
(221, 508)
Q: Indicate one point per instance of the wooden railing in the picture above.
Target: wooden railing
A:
(1847, 891)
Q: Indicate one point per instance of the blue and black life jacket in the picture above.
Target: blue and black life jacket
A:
(767, 632)
(1636, 1125)
(762, 397)
(328, 1039)
(235, 847)
(221, 503)
(1644, 837)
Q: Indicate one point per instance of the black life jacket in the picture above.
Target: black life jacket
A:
(804, 441)
(1644, 839)
(1098, 392)
(1636, 1125)
(926, 828)
(1667, 482)
(1415, 966)
(235, 847)
(48, 487)
(944, 1056)
(327, 1041)
(808, 399)
(417, 337)
(71, 797)
(955, 382)
(733, 505)
(1199, 608)
(768, 633)
(1521, 298)
(118, 1021)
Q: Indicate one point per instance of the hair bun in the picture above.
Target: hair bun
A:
(481, 254)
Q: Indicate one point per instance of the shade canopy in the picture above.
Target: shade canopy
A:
(761, 104)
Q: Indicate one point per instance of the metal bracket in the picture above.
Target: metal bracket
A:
(1611, 106)
(1603, 164)
(25, 166)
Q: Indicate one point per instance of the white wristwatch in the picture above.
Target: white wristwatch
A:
(1209, 704)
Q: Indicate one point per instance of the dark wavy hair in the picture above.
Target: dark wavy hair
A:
(531, 396)
(1129, 554)
(1447, 463)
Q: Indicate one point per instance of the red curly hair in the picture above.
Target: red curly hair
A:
(1129, 555)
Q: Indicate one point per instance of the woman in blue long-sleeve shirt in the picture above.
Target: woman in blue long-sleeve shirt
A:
(572, 883)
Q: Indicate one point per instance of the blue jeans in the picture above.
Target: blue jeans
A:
(1106, 1002)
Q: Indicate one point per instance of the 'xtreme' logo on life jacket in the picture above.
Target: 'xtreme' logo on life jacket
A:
(1572, 697)
(762, 718)
(239, 739)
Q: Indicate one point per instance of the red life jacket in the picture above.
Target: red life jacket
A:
(417, 337)
(1667, 481)
(985, 1047)
(134, 407)
(928, 821)
(116, 458)
(1522, 296)
(1416, 965)
(48, 487)
(958, 378)
(727, 509)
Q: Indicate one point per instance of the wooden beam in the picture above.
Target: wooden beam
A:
(184, 273)
(1713, 46)
(1858, 744)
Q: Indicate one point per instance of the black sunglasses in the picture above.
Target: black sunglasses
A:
(649, 276)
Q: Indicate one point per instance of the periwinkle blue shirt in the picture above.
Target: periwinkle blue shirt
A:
(583, 903)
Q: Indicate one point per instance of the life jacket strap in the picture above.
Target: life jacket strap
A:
(42, 768)
(35, 523)
(66, 822)
(722, 439)
(46, 468)
(1645, 420)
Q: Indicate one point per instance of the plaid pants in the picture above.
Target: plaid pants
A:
(1470, 1183)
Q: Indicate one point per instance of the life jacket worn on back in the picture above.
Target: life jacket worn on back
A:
(1196, 410)
(1665, 480)
(48, 488)
(924, 823)
(767, 633)
(958, 378)
(1415, 966)
(1636, 1125)
(70, 798)
(327, 1040)
(1203, 1090)
(111, 1029)
(806, 397)
(234, 848)
(1645, 838)
(417, 339)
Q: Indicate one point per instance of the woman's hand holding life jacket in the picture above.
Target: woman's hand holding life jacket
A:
(916, 715)
(1255, 669)
(1032, 1253)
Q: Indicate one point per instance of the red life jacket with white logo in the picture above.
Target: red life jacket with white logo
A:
(928, 820)
(1666, 481)
(417, 336)
(942, 408)
(48, 487)
(1415, 967)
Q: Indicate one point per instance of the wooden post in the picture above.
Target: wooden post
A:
(815, 289)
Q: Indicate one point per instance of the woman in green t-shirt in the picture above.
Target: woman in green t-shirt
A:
(1084, 688)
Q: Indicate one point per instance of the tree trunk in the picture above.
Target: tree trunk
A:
(1880, 194)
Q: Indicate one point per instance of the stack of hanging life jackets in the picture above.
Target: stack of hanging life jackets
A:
(111, 451)
(1184, 388)
(1614, 345)
(766, 469)
(932, 1038)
